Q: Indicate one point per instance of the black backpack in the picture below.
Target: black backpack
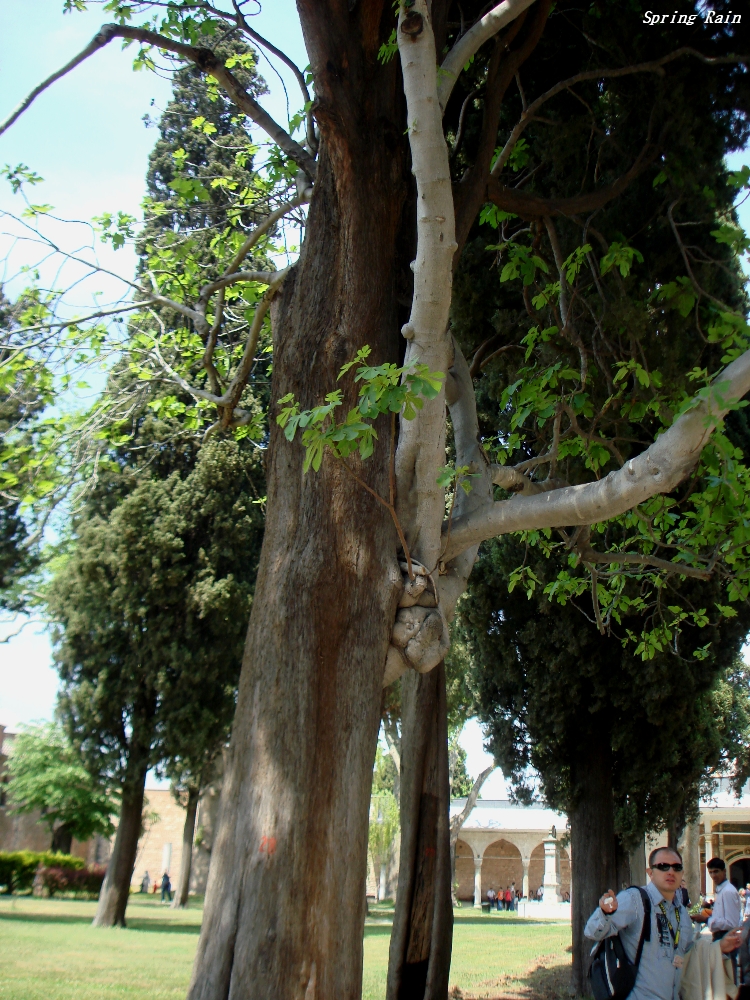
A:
(612, 974)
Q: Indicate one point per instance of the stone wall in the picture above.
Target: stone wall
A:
(501, 867)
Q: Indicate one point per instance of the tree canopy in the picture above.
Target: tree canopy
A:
(48, 775)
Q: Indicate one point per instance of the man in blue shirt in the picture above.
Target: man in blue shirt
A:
(659, 972)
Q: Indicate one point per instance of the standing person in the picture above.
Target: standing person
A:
(145, 882)
(166, 887)
(511, 897)
(508, 903)
(727, 912)
(491, 897)
(540, 893)
(659, 971)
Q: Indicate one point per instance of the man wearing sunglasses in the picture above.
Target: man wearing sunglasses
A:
(659, 970)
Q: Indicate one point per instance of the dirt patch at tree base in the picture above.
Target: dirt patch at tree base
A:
(546, 979)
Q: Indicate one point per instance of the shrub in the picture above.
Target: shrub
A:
(18, 868)
(79, 881)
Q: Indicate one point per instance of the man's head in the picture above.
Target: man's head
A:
(665, 870)
(717, 870)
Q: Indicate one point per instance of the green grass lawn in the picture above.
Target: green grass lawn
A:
(49, 951)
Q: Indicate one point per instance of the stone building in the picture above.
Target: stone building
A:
(160, 845)
(502, 845)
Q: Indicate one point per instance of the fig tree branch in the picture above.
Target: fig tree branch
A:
(205, 60)
(470, 43)
(658, 469)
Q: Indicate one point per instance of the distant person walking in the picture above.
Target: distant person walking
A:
(166, 887)
(509, 899)
(491, 896)
(540, 893)
(145, 882)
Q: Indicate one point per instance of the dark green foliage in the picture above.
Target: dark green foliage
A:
(630, 339)
(153, 603)
(202, 159)
(18, 868)
(549, 687)
(20, 401)
(154, 598)
(461, 783)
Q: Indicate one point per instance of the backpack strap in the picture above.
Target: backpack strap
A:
(646, 926)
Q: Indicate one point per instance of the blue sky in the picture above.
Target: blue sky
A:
(86, 137)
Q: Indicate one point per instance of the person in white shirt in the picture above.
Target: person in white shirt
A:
(727, 911)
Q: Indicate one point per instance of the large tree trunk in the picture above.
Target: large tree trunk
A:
(113, 898)
(62, 840)
(593, 847)
(188, 832)
(285, 900)
(422, 934)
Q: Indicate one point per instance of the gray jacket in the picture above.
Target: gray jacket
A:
(657, 978)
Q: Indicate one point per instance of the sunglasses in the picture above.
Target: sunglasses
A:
(664, 867)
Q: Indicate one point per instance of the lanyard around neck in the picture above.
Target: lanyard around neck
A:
(675, 934)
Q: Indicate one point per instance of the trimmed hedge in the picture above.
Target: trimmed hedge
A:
(18, 868)
(79, 881)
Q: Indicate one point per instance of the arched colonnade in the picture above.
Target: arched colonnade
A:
(490, 859)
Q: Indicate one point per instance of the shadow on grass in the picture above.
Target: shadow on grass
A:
(133, 924)
(540, 983)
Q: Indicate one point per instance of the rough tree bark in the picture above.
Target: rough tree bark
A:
(295, 802)
(419, 960)
(113, 898)
(188, 832)
(592, 835)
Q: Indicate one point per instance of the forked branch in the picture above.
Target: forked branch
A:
(658, 469)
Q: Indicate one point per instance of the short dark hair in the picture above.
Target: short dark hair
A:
(716, 863)
(658, 850)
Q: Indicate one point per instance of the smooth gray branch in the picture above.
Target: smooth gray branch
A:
(470, 43)
(658, 469)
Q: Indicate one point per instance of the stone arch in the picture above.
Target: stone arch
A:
(536, 870)
(501, 865)
(464, 871)
(739, 870)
